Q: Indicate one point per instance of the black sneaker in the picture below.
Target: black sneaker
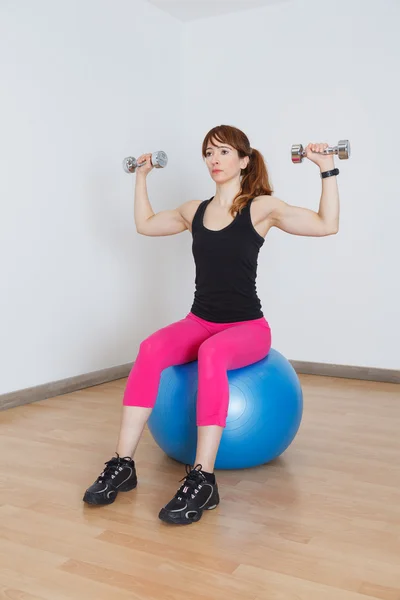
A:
(195, 495)
(118, 476)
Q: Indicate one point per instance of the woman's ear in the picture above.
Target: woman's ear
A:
(245, 162)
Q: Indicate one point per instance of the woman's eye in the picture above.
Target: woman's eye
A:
(209, 153)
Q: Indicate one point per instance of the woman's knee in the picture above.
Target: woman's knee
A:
(208, 349)
(152, 347)
(210, 355)
(167, 346)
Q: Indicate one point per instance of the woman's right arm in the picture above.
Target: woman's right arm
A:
(166, 222)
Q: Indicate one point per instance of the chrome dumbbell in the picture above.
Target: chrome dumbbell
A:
(159, 160)
(342, 150)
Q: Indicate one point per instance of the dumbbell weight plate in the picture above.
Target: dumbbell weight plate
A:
(344, 149)
(159, 159)
(297, 153)
(129, 164)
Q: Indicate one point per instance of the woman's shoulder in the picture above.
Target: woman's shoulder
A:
(262, 206)
(188, 210)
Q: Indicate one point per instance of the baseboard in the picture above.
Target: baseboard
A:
(347, 372)
(63, 386)
(73, 384)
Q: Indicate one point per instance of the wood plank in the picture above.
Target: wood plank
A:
(320, 522)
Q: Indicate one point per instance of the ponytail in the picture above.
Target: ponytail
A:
(255, 181)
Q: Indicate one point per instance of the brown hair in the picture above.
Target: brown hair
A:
(255, 179)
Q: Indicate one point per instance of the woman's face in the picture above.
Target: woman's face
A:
(223, 161)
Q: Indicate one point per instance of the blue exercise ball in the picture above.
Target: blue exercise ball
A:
(264, 415)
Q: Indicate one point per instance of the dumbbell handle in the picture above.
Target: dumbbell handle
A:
(155, 159)
(329, 150)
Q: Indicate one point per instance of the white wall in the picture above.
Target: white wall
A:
(295, 73)
(79, 288)
(83, 84)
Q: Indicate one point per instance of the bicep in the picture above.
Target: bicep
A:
(165, 222)
(297, 220)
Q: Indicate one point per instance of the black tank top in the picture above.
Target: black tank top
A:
(226, 268)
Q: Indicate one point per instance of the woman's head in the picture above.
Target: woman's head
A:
(228, 155)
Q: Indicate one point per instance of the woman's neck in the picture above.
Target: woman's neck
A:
(225, 193)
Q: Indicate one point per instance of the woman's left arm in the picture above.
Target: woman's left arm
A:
(303, 221)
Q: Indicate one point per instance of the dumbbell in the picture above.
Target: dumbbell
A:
(342, 150)
(158, 159)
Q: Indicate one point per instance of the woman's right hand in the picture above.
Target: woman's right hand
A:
(147, 167)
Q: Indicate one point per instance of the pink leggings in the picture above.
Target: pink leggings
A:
(218, 347)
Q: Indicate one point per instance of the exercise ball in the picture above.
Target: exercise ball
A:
(264, 414)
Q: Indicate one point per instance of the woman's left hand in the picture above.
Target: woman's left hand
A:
(314, 153)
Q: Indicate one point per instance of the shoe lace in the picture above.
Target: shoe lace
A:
(191, 482)
(112, 468)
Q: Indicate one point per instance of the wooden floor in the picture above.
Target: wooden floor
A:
(320, 523)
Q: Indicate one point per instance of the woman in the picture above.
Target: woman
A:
(225, 328)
